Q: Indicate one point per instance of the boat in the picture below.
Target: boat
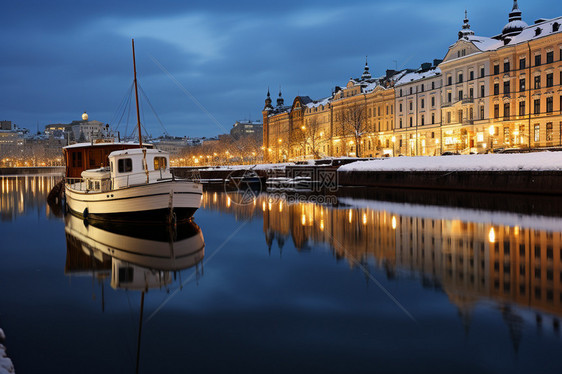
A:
(135, 183)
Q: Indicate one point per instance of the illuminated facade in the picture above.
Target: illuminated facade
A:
(487, 93)
(356, 120)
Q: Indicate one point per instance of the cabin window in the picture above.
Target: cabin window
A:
(97, 185)
(111, 166)
(77, 159)
(125, 165)
(159, 163)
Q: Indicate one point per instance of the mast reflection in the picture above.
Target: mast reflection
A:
(137, 257)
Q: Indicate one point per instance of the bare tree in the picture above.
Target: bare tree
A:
(354, 123)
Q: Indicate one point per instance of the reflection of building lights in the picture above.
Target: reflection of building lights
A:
(228, 201)
(263, 206)
(516, 230)
(280, 206)
(269, 205)
(492, 235)
(321, 225)
(215, 197)
(364, 218)
(350, 216)
(255, 201)
(394, 222)
(303, 219)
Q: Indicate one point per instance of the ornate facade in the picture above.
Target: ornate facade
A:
(486, 94)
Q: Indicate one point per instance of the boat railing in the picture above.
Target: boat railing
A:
(89, 184)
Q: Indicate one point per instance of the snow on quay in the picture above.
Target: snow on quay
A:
(537, 161)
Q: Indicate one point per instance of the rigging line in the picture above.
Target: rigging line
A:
(219, 248)
(372, 277)
(126, 105)
(122, 104)
(153, 111)
(185, 91)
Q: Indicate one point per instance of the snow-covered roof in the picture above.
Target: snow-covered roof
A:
(528, 33)
(417, 75)
(136, 151)
(321, 102)
(100, 144)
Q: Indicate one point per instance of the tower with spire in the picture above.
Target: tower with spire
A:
(515, 24)
(268, 105)
(280, 100)
(465, 32)
(366, 74)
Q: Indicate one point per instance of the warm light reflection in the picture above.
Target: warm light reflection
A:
(263, 206)
(228, 201)
(364, 219)
(322, 225)
(492, 235)
(516, 230)
(350, 218)
(280, 206)
(303, 219)
(393, 222)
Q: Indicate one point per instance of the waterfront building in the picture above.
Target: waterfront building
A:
(503, 91)
(356, 120)
(418, 112)
(84, 130)
(246, 128)
(488, 93)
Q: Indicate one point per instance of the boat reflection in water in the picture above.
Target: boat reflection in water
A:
(473, 256)
(137, 257)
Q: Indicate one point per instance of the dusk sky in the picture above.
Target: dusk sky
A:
(63, 57)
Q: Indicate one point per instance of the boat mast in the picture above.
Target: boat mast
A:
(137, 95)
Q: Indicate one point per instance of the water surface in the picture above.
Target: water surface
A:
(360, 286)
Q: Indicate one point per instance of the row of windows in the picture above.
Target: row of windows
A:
(536, 107)
(506, 67)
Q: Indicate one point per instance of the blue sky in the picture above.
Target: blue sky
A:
(63, 57)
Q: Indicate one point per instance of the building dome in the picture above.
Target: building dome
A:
(515, 25)
(85, 116)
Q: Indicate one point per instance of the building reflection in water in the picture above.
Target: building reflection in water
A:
(25, 193)
(470, 255)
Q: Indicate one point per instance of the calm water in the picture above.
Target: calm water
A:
(361, 286)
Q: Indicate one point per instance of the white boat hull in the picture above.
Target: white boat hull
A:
(153, 201)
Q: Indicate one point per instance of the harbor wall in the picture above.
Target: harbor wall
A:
(529, 182)
(32, 170)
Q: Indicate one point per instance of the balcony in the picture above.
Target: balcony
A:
(467, 122)
(468, 100)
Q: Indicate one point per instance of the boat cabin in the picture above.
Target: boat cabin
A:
(138, 166)
(82, 156)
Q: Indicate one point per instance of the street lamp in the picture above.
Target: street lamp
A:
(491, 130)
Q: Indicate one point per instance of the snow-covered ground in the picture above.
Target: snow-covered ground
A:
(543, 161)
(6, 365)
